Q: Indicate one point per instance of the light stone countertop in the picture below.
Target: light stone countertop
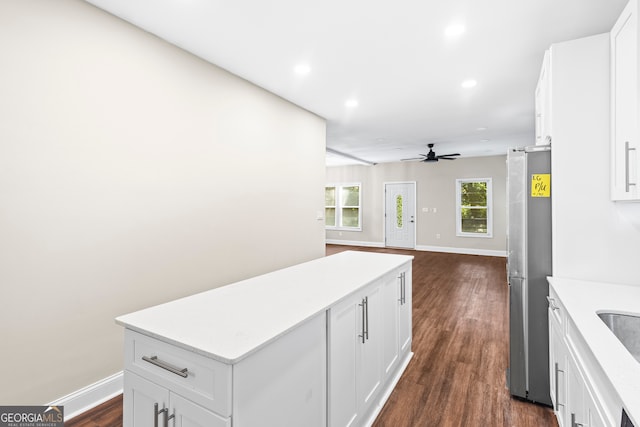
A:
(231, 322)
(583, 301)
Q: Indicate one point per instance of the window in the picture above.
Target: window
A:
(474, 217)
(342, 207)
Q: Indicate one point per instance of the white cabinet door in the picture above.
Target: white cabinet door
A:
(390, 322)
(405, 312)
(144, 402)
(355, 355)
(594, 417)
(625, 149)
(147, 404)
(185, 413)
(370, 356)
(575, 394)
(344, 343)
(557, 369)
(543, 102)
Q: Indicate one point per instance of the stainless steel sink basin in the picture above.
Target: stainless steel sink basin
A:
(626, 328)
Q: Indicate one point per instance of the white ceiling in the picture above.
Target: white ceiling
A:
(392, 57)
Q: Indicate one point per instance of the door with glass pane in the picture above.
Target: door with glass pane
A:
(400, 211)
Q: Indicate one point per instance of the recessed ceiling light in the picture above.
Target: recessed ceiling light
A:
(302, 69)
(454, 30)
(481, 128)
(485, 140)
(467, 84)
(351, 103)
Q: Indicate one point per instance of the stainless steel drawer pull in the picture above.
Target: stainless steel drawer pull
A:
(184, 373)
(627, 181)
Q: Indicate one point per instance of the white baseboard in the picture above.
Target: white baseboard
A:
(354, 243)
(464, 251)
(90, 396)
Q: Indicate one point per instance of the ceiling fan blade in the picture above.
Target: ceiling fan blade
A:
(414, 158)
(446, 158)
(449, 155)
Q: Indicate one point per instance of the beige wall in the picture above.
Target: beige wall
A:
(131, 173)
(435, 188)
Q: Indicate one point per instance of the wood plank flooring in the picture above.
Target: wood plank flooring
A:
(109, 414)
(460, 341)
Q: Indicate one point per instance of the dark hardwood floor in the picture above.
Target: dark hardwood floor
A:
(109, 414)
(460, 341)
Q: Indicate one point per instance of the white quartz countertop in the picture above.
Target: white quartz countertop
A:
(583, 301)
(233, 321)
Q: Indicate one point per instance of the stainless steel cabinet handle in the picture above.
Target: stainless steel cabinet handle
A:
(403, 288)
(574, 423)
(366, 310)
(363, 321)
(184, 373)
(552, 304)
(557, 392)
(157, 412)
(627, 182)
(168, 417)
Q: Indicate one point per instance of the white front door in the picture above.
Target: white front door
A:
(400, 211)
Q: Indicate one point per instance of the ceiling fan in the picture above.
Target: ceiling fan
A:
(431, 156)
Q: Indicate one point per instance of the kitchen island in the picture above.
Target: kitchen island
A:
(320, 343)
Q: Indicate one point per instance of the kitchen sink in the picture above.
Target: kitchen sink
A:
(626, 328)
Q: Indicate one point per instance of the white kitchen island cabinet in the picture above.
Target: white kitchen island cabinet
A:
(369, 347)
(274, 350)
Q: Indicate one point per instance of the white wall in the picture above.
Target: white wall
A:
(594, 238)
(435, 188)
(131, 173)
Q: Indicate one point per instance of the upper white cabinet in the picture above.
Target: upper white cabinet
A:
(625, 147)
(543, 102)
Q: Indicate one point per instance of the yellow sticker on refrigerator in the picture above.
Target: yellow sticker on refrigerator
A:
(541, 185)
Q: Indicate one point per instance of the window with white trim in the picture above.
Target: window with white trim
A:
(342, 210)
(474, 207)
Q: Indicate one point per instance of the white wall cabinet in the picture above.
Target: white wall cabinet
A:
(319, 344)
(625, 145)
(543, 102)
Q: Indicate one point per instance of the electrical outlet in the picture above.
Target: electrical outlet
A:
(437, 235)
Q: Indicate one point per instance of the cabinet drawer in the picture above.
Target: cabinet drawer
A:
(206, 382)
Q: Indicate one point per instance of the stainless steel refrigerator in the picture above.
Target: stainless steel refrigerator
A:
(528, 265)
